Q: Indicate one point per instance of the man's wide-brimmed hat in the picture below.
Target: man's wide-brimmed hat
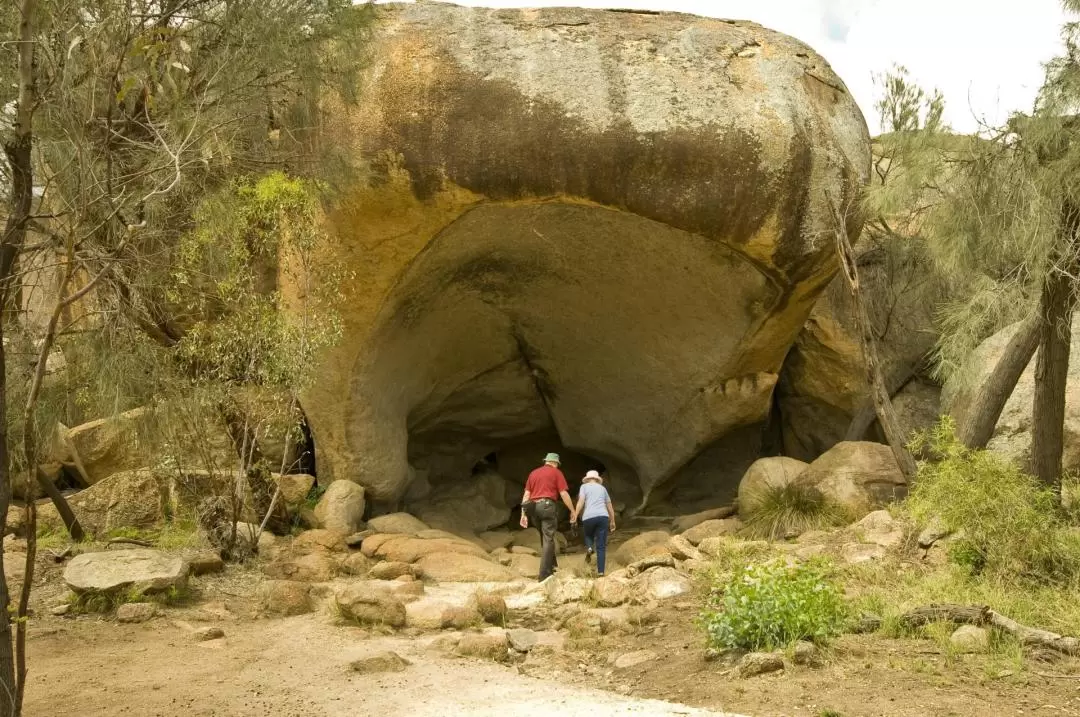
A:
(552, 458)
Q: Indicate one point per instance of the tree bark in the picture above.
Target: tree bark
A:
(982, 416)
(865, 416)
(1056, 303)
(879, 392)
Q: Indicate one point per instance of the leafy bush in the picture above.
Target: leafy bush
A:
(792, 508)
(770, 605)
(1011, 524)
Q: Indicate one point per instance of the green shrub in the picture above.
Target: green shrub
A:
(792, 508)
(770, 605)
(1012, 525)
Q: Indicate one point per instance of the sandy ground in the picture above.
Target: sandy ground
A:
(287, 668)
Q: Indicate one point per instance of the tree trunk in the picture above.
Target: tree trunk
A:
(71, 521)
(865, 416)
(1056, 303)
(879, 392)
(985, 410)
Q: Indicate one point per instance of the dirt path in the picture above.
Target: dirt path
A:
(295, 667)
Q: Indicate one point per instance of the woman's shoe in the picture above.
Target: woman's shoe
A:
(588, 556)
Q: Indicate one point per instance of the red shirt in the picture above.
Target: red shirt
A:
(546, 482)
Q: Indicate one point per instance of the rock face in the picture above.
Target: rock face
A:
(857, 476)
(543, 194)
(474, 505)
(823, 382)
(142, 571)
(1012, 435)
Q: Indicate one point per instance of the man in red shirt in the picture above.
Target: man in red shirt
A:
(544, 486)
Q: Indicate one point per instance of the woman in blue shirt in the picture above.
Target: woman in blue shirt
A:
(597, 518)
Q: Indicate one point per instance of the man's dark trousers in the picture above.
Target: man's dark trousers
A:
(547, 519)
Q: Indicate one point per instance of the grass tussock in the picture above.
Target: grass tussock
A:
(791, 509)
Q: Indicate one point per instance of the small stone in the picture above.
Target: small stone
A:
(932, 533)
(206, 562)
(382, 662)
(135, 612)
(805, 653)
(522, 640)
(631, 659)
(759, 663)
(208, 633)
(969, 639)
(489, 647)
(60, 610)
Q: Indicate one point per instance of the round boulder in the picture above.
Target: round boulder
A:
(857, 477)
(764, 475)
(109, 572)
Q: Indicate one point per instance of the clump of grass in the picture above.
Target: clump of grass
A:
(770, 605)
(1012, 525)
(794, 508)
(98, 603)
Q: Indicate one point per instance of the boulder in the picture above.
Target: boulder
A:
(611, 591)
(397, 523)
(563, 588)
(495, 539)
(284, 597)
(969, 639)
(368, 604)
(681, 549)
(427, 614)
(205, 562)
(879, 528)
(857, 476)
(766, 474)
(474, 505)
(663, 583)
(356, 564)
(341, 507)
(685, 522)
(129, 499)
(295, 487)
(409, 550)
(522, 639)
(712, 529)
(638, 546)
(527, 566)
(656, 560)
(491, 607)
(805, 653)
(388, 570)
(141, 571)
(462, 567)
(315, 567)
(319, 540)
(484, 646)
(759, 663)
(1012, 434)
(378, 663)
(135, 612)
(854, 553)
(472, 272)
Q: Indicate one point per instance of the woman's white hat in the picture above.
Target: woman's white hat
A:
(594, 475)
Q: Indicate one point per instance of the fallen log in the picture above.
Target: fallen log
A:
(982, 615)
(129, 541)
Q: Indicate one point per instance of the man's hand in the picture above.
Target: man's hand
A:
(524, 522)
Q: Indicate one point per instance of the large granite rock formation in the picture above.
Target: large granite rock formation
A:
(605, 227)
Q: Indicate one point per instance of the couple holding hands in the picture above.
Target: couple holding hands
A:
(547, 484)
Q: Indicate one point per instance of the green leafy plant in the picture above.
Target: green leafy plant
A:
(793, 508)
(770, 605)
(1011, 524)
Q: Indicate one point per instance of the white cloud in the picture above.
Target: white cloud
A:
(985, 55)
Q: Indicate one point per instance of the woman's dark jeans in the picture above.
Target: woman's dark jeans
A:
(596, 532)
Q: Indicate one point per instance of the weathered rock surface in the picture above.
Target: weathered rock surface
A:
(398, 523)
(369, 604)
(823, 382)
(969, 639)
(284, 597)
(142, 571)
(341, 508)
(460, 567)
(857, 476)
(759, 663)
(584, 196)
(295, 487)
(483, 646)
(612, 591)
(764, 475)
(633, 659)
(639, 546)
(381, 662)
(135, 612)
(1012, 435)
(686, 522)
(476, 504)
(879, 528)
(663, 583)
(712, 529)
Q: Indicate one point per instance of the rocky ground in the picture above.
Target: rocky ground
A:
(479, 641)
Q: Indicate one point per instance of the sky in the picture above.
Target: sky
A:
(986, 56)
